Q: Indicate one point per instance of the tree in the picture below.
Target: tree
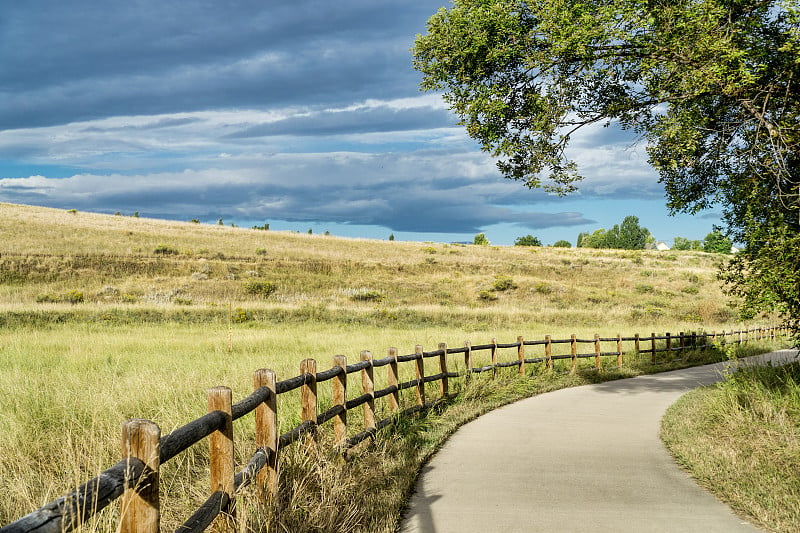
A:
(597, 239)
(481, 240)
(562, 244)
(527, 240)
(710, 85)
(627, 236)
(631, 235)
(716, 242)
(682, 243)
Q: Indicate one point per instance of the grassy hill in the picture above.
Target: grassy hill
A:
(68, 264)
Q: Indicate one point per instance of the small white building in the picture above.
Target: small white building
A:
(662, 246)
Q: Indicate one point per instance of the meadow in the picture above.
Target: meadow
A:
(104, 318)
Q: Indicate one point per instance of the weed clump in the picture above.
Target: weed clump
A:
(241, 315)
(72, 297)
(543, 288)
(259, 288)
(368, 296)
(163, 249)
(645, 289)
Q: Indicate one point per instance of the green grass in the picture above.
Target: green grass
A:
(741, 440)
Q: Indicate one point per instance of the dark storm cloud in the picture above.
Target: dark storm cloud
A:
(402, 192)
(67, 61)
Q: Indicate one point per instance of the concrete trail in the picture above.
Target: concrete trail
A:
(575, 460)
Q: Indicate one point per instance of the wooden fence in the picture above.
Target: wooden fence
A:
(136, 477)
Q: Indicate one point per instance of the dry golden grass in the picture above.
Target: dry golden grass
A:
(112, 261)
(152, 331)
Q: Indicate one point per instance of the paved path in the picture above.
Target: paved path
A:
(582, 459)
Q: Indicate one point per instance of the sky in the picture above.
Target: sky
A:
(303, 115)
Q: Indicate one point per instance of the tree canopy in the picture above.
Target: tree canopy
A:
(716, 242)
(628, 236)
(480, 240)
(682, 243)
(711, 86)
(527, 240)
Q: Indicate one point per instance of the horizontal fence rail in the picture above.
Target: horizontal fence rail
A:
(135, 479)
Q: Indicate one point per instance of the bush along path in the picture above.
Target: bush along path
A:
(587, 458)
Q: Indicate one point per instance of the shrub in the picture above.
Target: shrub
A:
(182, 301)
(503, 283)
(487, 295)
(690, 289)
(429, 250)
(163, 249)
(241, 315)
(261, 251)
(259, 288)
(562, 244)
(74, 297)
(368, 296)
(645, 288)
(543, 288)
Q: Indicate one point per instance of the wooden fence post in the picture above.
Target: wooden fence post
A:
(394, 397)
(368, 387)
(681, 343)
(694, 340)
(221, 456)
(339, 397)
(521, 355)
(619, 350)
(597, 363)
(714, 338)
(420, 365)
(444, 387)
(668, 335)
(573, 349)
(139, 506)
(636, 345)
(267, 433)
(494, 358)
(468, 359)
(548, 353)
(308, 398)
(653, 347)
